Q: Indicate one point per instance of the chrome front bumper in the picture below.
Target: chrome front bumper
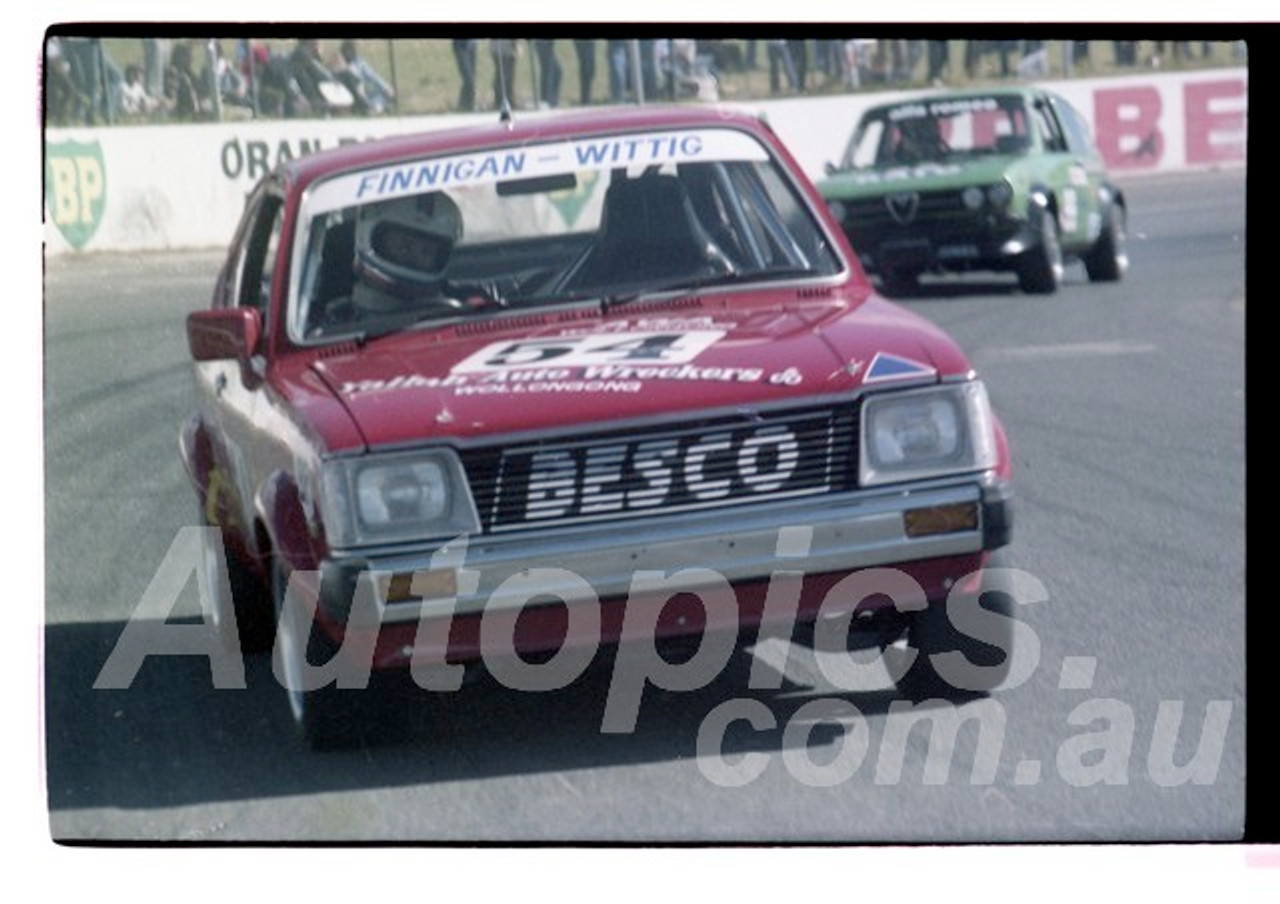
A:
(815, 535)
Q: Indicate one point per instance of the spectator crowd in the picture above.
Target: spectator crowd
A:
(187, 80)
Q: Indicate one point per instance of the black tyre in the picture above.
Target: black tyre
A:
(932, 633)
(1108, 259)
(329, 717)
(1040, 268)
(250, 598)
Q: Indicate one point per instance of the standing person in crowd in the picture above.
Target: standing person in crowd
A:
(827, 58)
(973, 54)
(780, 64)
(504, 52)
(688, 70)
(270, 85)
(550, 73)
(97, 79)
(939, 61)
(231, 83)
(464, 55)
(1035, 60)
(316, 83)
(155, 59)
(183, 97)
(586, 52)
(371, 91)
(1080, 54)
(649, 68)
(858, 54)
(619, 55)
(800, 59)
(1004, 50)
(62, 95)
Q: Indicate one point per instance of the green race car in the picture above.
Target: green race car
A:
(999, 179)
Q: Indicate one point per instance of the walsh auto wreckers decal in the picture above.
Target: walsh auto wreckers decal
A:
(622, 358)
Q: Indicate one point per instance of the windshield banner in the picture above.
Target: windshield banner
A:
(531, 161)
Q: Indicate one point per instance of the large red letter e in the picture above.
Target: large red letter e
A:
(1204, 124)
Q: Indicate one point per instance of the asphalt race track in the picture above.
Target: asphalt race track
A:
(1125, 407)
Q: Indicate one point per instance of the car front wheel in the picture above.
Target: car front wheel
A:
(1040, 268)
(935, 671)
(1108, 259)
(327, 717)
(249, 602)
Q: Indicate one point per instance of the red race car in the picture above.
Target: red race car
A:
(494, 397)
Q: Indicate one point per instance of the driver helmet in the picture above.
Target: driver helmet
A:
(924, 134)
(402, 249)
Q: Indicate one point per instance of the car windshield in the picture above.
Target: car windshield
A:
(938, 130)
(609, 218)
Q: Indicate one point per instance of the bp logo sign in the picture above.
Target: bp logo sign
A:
(75, 189)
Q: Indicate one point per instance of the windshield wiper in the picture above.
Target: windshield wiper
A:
(608, 300)
(480, 298)
(433, 318)
(704, 282)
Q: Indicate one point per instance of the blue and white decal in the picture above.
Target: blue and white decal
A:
(594, 349)
(886, 367)
(528, 161)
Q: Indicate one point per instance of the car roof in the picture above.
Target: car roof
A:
(542, 127)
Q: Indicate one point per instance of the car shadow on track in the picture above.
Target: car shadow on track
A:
(173, 739)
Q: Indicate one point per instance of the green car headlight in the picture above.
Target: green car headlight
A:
(1000, 194)
(396, 498)
(924, 433)
(973, 197)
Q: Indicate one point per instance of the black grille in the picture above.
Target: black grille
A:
(931, 207)
(625, 474)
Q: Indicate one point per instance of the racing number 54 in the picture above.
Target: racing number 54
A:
(673, 348)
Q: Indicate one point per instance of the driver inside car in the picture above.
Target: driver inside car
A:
(919, 140)
(402, 249)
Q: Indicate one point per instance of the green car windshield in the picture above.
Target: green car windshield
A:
(941, 129)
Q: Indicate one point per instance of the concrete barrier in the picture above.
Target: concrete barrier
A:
(146, 188)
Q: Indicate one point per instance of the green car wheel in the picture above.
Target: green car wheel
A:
(1108, 259)
(1040, 268)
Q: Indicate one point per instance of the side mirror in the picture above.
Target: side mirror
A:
(829, 168)
(223, 334)
(227, 334)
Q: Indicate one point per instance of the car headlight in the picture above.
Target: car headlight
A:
(838, 210)
(925, 433)
(973, 197)
(396, 498)
(1000, 194)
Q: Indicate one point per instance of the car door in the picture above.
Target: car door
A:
(1083, 150)
(1069, 174)
(231, 390)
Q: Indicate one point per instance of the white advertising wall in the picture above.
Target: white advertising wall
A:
(143, 188)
